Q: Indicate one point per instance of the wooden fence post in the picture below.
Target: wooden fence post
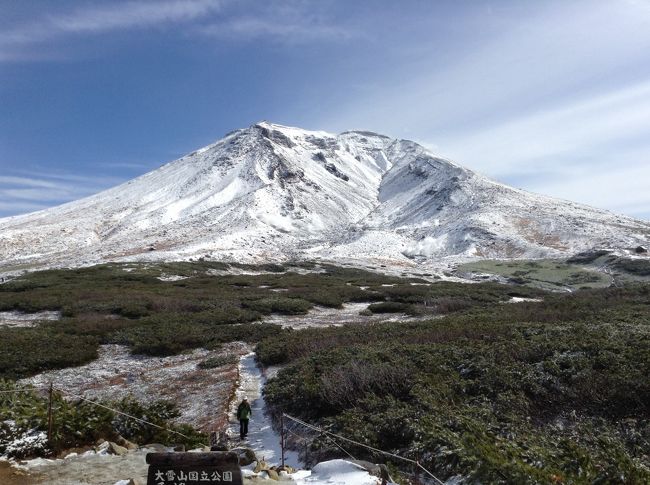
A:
(282, 437)
(49, 415)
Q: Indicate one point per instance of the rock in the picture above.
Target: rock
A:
(157, 446)
(273, 475)
(246, 455)
(116, 449)
(129, 445)
(261, 465)
(126, 443)
(103, 447)
(640, 250)
(136, 481)
(380, 471)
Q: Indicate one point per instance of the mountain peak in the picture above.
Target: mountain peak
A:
(274, 192)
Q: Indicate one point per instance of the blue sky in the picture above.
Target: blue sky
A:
(549, 96)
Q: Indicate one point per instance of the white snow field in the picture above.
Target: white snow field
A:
(274, 193)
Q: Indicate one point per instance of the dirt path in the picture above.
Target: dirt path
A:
(262, 438)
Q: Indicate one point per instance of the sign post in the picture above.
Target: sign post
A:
(194, 468)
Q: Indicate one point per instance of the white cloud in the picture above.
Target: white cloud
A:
(624, 190)
(100, 19)
(560, 92)
(22, 193)
(289, 22)
(584, 129)
(293, 22)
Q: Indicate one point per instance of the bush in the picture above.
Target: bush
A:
(81, 423)
(532, 392)
(286, 306)
(390, 307)
(218, 361)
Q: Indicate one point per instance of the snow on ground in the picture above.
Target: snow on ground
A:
(202, 395)
(89, 468)
(325, 316)
(19, 319)
(172, 277)
(521, 299)
(262, 438)
(335, 472)
(100, 468)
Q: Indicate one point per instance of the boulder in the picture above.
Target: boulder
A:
(103, 447)
(157, 447)
(261, 465)
(126, 443)
(273, 475)
(380, 471)
(246, 455)
(116, 449)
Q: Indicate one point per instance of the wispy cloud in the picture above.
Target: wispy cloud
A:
(594, 125)
(98, 19)
(289, 22)
(562, 85)
(21, 193)
(292, 22)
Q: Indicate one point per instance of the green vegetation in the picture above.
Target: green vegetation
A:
(218, 361)
(80, 423)
(534, 392)
(545, 391)
(546, 274)
(128, 304)
(590, 269)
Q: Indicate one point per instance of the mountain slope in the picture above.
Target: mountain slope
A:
(270, 192)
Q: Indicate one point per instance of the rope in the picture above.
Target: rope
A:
(22, 390)
(377, 450)
(124, 414)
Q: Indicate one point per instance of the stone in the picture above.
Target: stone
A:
(136, 481)
(379, 471)
(261, 465)
(103, 447)
(273, 475)
(126, 443)
(157, 447)
(116, 449)
(246, 455)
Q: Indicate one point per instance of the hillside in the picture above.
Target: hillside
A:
(274, 193)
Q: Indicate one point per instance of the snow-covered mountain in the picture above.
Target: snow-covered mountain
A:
(274, 193)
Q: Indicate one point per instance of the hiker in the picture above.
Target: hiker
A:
(244, 413)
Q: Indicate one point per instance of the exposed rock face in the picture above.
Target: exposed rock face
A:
(271, 192)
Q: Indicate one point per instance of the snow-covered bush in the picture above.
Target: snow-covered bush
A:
(17, 442)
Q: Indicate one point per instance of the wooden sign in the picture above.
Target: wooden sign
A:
(194, 468)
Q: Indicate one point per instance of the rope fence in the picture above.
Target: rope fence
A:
(140, 420)
(52, 388)
(28, 389)
(333, 436)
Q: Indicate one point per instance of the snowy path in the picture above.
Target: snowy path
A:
(262, 438)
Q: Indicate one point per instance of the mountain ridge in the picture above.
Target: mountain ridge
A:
(274, 193)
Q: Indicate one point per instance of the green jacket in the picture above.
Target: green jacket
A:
(244, 411)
